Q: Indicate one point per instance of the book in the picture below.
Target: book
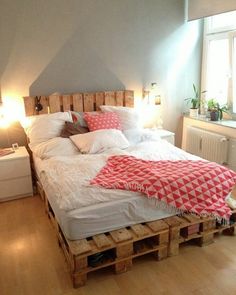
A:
(4, 152)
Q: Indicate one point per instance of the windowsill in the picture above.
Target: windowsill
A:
(225, 123)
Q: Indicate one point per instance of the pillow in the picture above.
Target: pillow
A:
(137, 135)
(100, 140)
(129, 117)
(78, 117)
(102, 121)
(44, 127)
(57, 146)
(72, 129)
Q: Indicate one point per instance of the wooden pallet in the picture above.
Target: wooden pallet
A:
(179, 231)
(228, 229)
(118, 247)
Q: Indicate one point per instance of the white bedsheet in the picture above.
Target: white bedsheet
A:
(67, 178)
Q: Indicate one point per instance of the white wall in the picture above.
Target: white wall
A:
(202, 8)
(85, 45)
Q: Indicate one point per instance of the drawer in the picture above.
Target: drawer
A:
(15, 168)
(16, 187)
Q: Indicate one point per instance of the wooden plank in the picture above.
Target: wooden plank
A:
(174, 233)
(77, 101)
(129, 98)
(44, 102)
(121, 235)
(123, 266)
(99, 100)
(124, 250)
(164, 238)
(89, 100)
(110, 98)
(80, 263)
(54, 103)
(173, 221)
(29, 103)
(101, 241)
(140, 230)
(191, 218)
(157, 226)
(207, 239)
(79, 247)
(66, 102)
(120, 95)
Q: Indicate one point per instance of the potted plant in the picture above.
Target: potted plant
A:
(195, 101)
(216, 111)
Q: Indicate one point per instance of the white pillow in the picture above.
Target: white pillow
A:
(137, 135)
(44, 127)
(129, 117)
(57, 146)
(99, 140)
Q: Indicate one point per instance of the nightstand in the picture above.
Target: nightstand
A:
(15, 175)
(166, 134)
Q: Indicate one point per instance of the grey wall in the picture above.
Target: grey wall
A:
(85, 45)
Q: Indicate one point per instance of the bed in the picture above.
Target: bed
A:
(103, 220)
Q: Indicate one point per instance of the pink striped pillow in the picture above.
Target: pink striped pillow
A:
(102, 121)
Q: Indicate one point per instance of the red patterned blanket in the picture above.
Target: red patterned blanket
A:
(193, 186)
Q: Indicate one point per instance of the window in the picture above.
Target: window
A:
(219, 59)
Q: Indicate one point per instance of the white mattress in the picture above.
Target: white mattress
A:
(100, 218)
(97, 210)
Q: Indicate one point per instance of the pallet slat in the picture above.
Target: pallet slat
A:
(55, 103)
(121, 235)
(157, 226)
(77, 100)
(120, 95)
(89, 100)
(129, 98)
(66, 102)
(99, 99)
(140, 230)
(79, 247)
(101, 241)
(110, 98)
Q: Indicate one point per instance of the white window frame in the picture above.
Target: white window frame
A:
(209, 34)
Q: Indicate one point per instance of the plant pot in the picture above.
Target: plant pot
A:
(193, 113)
(214, 116)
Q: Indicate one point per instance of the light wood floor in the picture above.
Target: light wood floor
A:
(31, 263)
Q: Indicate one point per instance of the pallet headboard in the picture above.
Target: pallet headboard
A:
(81, 102)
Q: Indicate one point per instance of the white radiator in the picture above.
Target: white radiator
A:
(207, 145)
(232, 154)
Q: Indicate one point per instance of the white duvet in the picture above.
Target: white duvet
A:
(67, 178)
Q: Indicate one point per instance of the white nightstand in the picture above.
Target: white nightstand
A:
(167, 135)
(15, 175)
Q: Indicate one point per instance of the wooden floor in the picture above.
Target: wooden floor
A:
(31, 263)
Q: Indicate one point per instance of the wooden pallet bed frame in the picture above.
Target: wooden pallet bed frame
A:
(120, 247)
(162, 238)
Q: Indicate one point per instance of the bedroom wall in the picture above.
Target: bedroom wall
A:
(86, 45)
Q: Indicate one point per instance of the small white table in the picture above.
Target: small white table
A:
(166, 134)
(15, 175)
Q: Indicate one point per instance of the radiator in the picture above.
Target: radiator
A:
(207, 145)
(232, 154)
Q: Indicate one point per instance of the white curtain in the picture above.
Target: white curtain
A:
(201, 8)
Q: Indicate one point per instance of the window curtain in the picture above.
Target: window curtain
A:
(201, 8)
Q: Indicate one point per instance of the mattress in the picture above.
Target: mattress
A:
(83, 210)
(104, 217)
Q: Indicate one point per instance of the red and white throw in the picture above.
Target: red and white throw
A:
(193, 186)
